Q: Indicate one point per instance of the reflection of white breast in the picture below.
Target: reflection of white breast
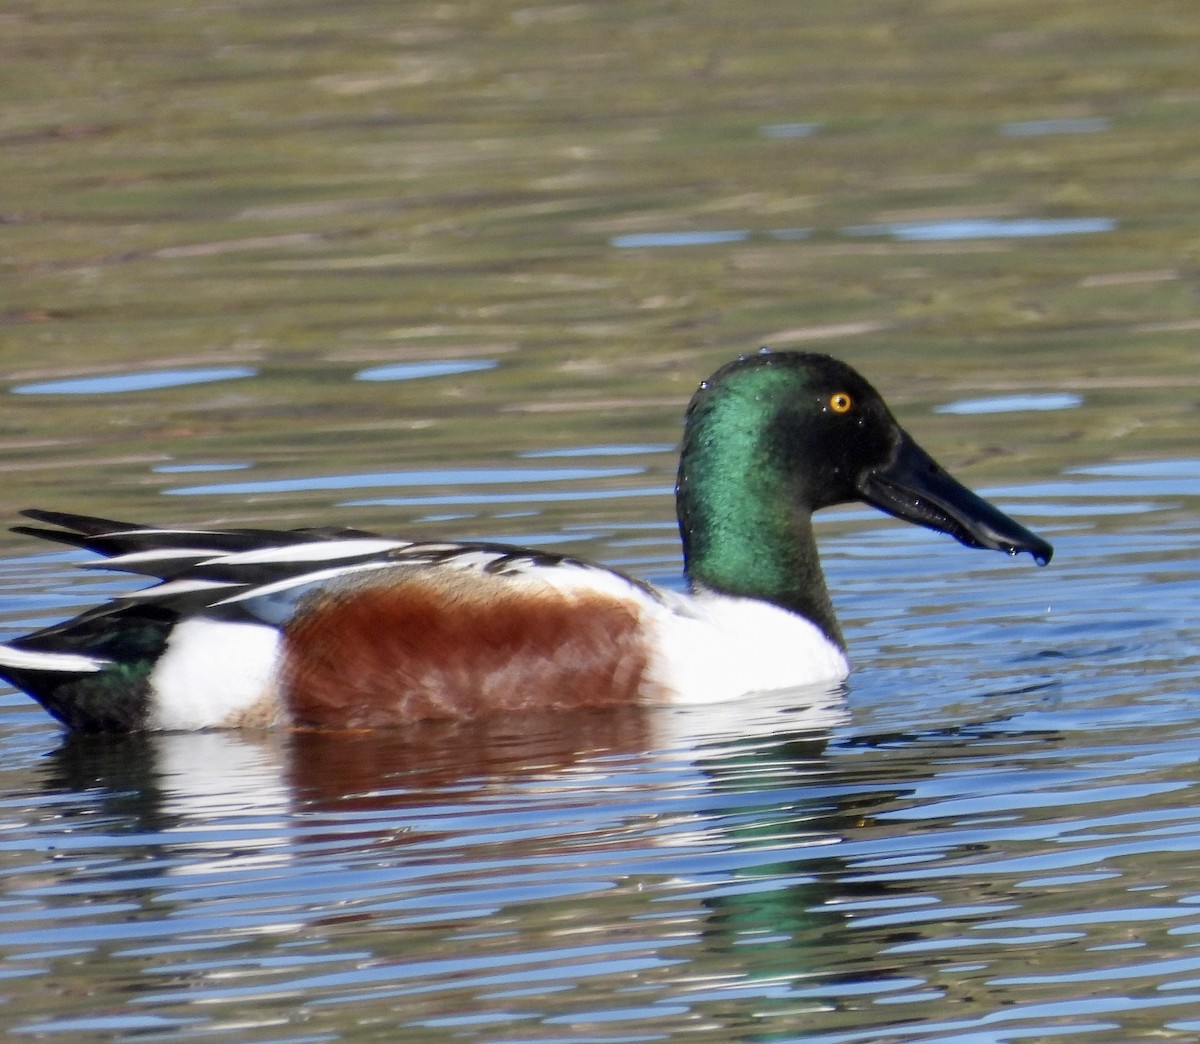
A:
(231, 797)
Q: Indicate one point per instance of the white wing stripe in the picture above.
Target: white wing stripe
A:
(317, 551)
(158, 554)
(30, 660)
(299, 581)
(176, 587)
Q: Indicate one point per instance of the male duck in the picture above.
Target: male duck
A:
(325, 627)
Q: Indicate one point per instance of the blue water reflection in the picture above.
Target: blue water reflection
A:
(1140, 469)
(616, 450)
(1067, 125)
(1123, 483)
(983, 228)
(438, 477)
(905, 231)
(531, 496)
(674, 239)
(1013, 403)
(142, 380)
(412, 371)
(789, 130)
(184, 469)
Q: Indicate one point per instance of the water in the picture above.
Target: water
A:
(991, 838)
(132, 382)
(453, 270)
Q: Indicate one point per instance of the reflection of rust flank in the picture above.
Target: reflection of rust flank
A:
(387, 769)
(451, 646)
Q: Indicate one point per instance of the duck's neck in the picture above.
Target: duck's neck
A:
(745, 531)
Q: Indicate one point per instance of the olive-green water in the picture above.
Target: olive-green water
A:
(454, 269)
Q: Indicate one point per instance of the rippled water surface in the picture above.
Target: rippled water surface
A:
(454, 269)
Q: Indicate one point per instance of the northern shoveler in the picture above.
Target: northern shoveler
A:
(340, 628)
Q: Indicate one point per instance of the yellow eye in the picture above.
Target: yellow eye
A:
(840, 402)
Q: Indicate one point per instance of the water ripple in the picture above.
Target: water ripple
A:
(141, 380)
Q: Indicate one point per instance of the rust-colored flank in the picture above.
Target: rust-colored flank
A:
(413, 645)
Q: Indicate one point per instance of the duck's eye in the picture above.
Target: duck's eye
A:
(840, 402)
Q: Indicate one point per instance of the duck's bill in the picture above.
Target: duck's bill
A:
(912, 486)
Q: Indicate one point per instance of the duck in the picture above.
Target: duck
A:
(327, 628)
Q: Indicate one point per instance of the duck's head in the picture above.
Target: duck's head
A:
(774, 436)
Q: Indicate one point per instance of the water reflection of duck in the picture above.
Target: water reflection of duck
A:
(324, 627)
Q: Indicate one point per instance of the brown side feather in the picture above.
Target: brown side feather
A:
(437, 644)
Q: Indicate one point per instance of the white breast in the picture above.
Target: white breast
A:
(713, 648)
(215, 674)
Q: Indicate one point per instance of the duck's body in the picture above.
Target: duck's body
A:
(337, 628)
(342, 629)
